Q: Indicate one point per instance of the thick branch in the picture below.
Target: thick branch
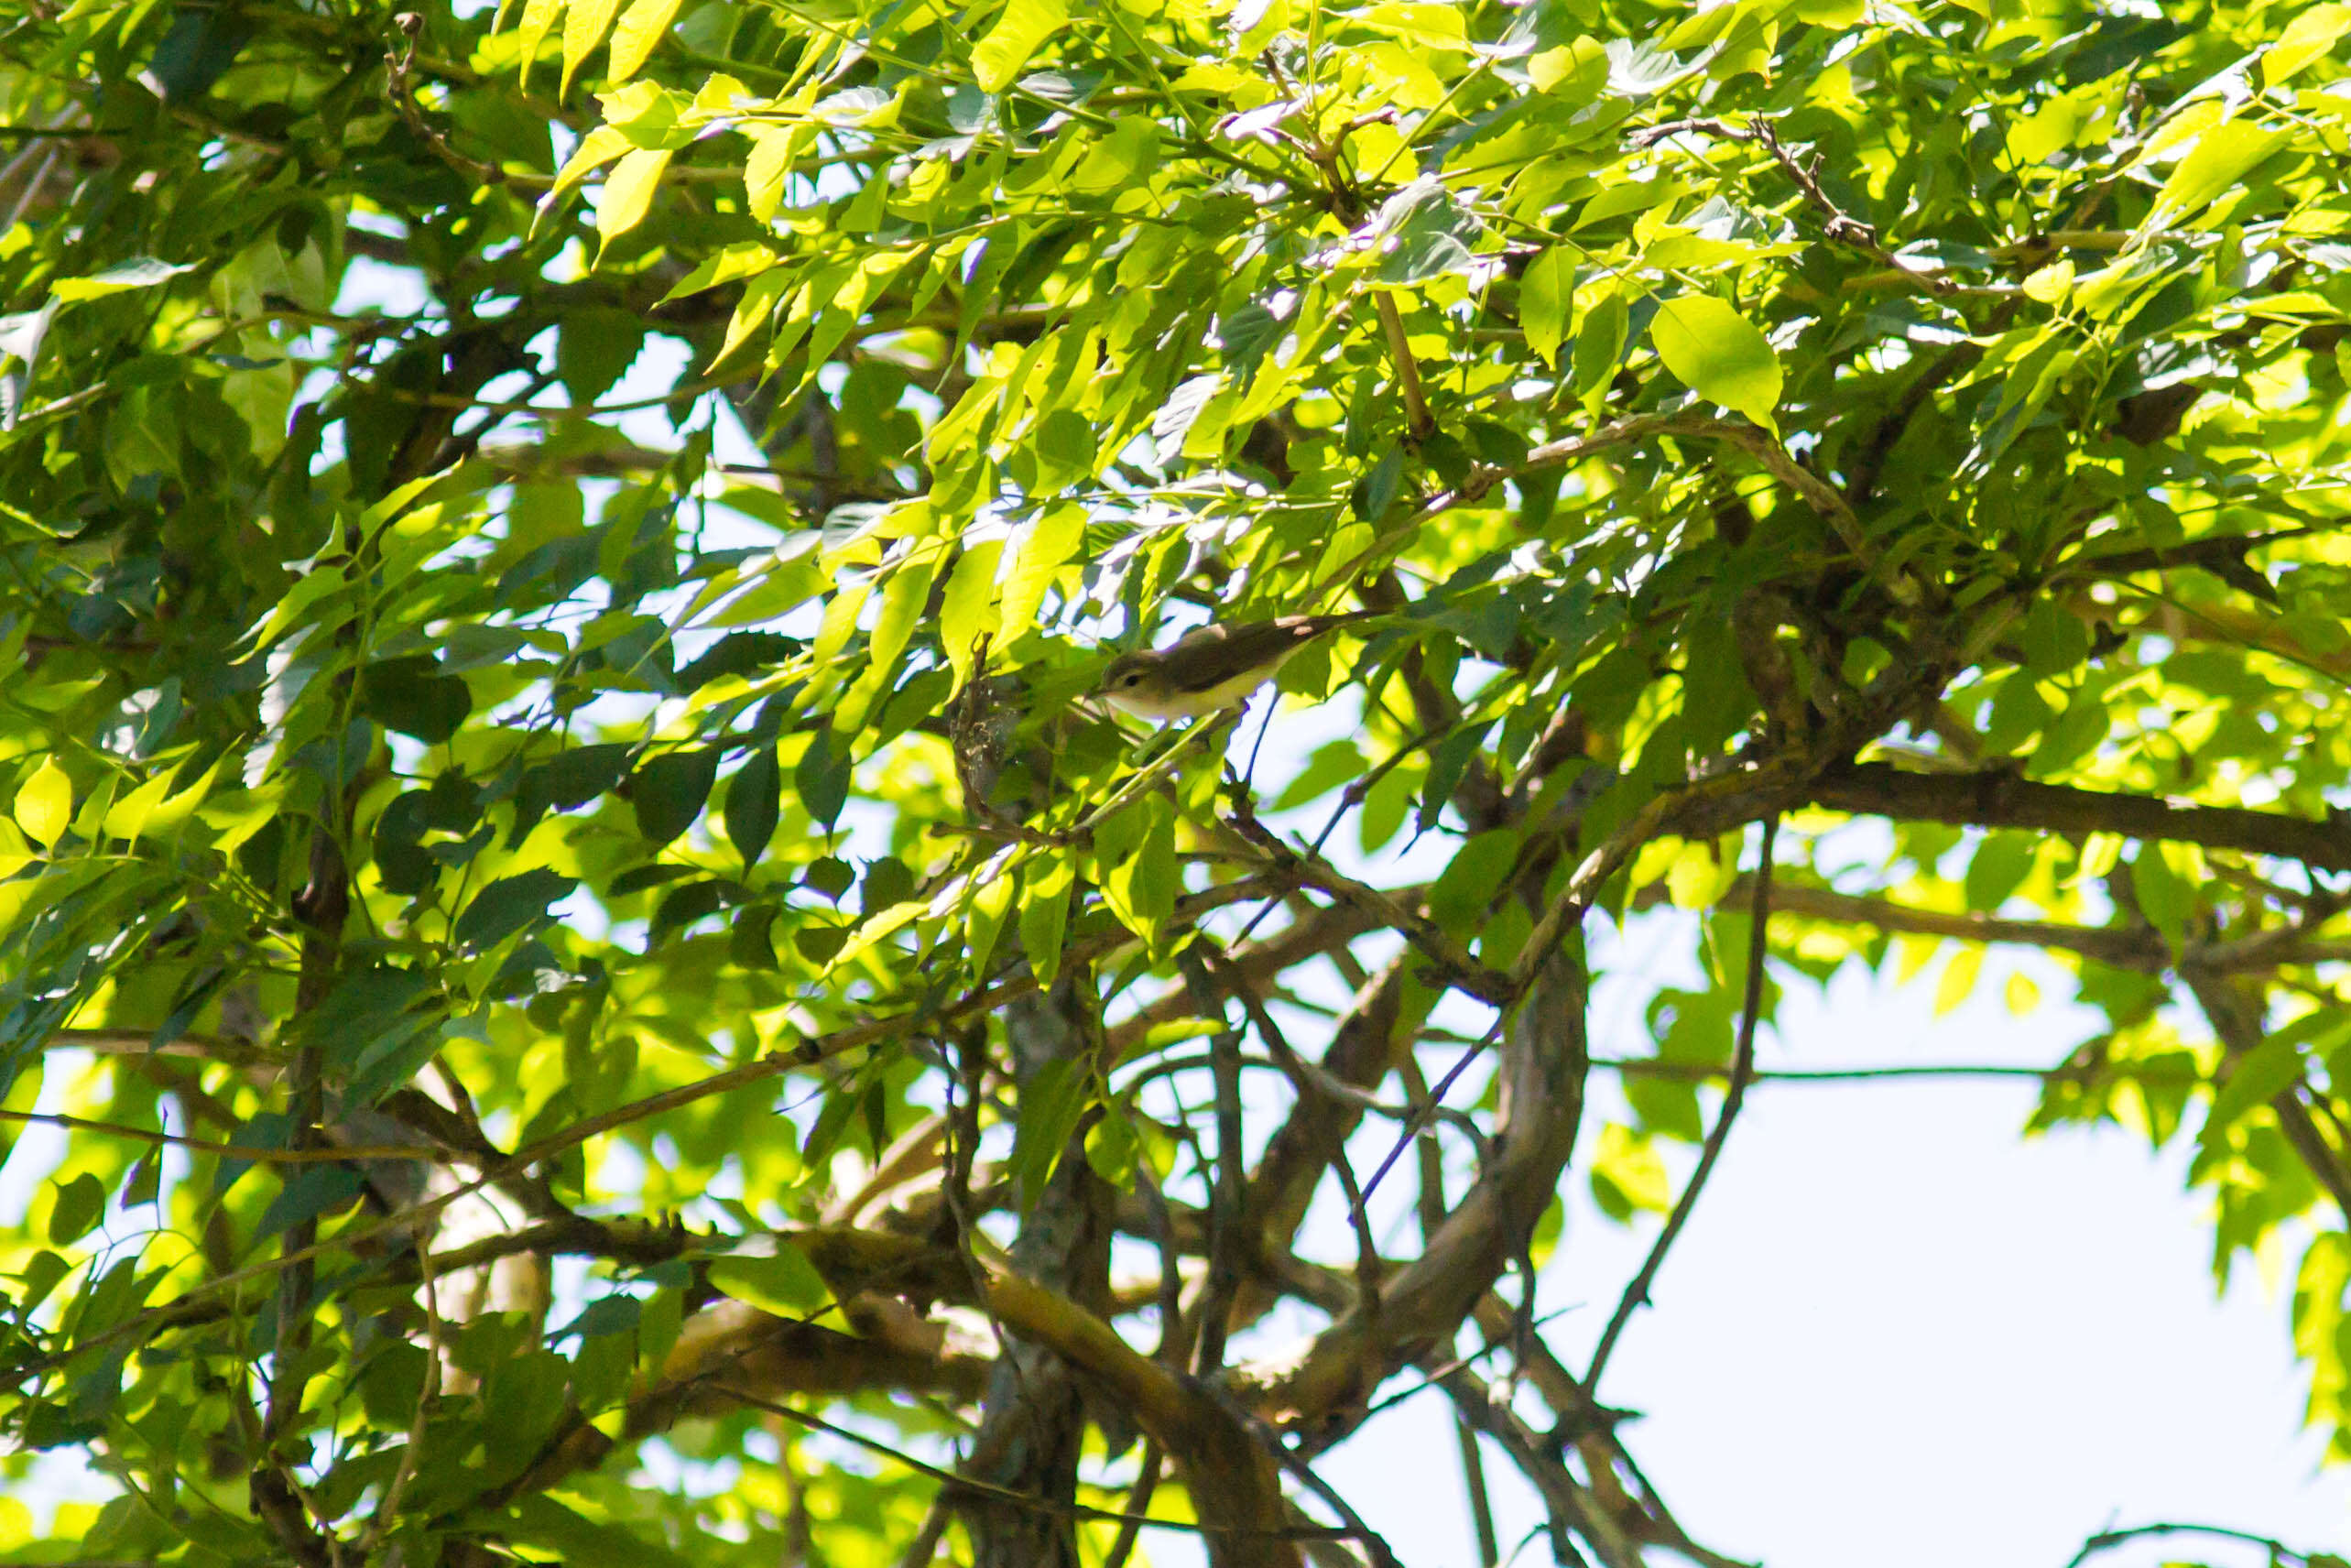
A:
(2002, 799)
(1542, 1072)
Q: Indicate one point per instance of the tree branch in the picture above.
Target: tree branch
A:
(2107, 1540)
(2001, 800)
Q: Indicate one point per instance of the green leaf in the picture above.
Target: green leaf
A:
(822, 778)
(567, 1536)
(1019, 33)
(1416, 22)
(2165, 897)
(1423, 232)
(565, 781)
(752, 803)
(1045, 915)
(1333, 763)
(76, 1209)
(1546, 300)
(967, 609)
(1048, 545)
(668, 790)
(1128, 154)
(412, 696)
(780, 1279)
(1600, 343)
(367, 1006)
(1141, 877)
(2255, 1079)
(1459, 897)
(1627, 1175)
(1719, 354)
(507, 904)
(772, 149)
(1111, 1147)
(310, 1191)
(594, 347)
(1051, 1103)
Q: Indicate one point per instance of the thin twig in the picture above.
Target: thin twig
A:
(1742, 1070)
(330, 1154)
(426, 1398)
(1481, 1506)
(1006, 1494)
(1408, 374)
(1424, 1115)
(2107, 1540)
(1227, 1191)
(1138, 1503)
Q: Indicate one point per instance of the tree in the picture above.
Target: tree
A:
(558, 920)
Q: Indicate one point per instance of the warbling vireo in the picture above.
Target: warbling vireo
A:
(1213, 668)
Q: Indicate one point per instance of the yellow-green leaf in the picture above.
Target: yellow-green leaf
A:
(2307, 37)
(1628, 1174)
(752, 310)
(2222, 155)
(1719, 354)
(1044, 916)
(1546, 297)
(139, 272)
(1431, 27)
(538, 21)
(903, 597)
(783, 1282)
(128, 816)
(15, 854)
(45, 803)
(2052, 283)
(598, 148)
(1025, 25)
(627, 193)
(1958, 979)
(772, 149)
(642, 25)
(1131, 149)
(584, 26)
(967, 609)
(1042, 552)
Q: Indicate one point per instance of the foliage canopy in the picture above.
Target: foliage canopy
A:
(564, 892)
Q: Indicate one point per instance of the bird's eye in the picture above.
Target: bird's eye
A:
(1132, 677)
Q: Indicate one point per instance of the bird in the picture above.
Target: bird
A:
(1213, 668)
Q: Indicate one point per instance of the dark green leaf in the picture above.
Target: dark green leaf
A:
(509, 905)
(752, 804)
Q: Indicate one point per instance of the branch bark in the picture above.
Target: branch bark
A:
(1544, 1062)
(2003, 800)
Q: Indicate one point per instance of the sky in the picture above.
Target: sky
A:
(1896, 1331)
